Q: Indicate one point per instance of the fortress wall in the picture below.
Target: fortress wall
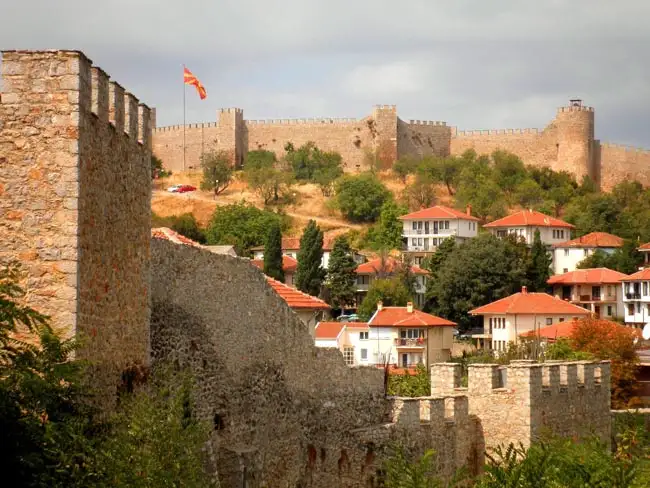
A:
(623, 163)
(75, 179)
(423, 138)
(168, 144)
(347, 136)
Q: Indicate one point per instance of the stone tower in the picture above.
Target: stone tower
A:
(231, 134)
(575, 140)
(385, 134)
(75, 186)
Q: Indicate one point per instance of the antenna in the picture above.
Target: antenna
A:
(646, 332)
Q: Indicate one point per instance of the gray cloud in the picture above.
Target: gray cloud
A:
(475, 64)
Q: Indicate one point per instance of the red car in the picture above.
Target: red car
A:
(185, 188)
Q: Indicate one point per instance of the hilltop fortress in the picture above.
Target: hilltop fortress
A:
(566, 143)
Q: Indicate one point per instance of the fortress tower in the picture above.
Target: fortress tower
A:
(575, 140)
(75, 183)
(231, 133)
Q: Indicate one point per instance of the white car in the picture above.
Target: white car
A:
(173, 189)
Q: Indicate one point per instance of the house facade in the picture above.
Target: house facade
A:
(645, 251)
(426, 229)
(289, 266)
(506, 319)
(351, 338)
(636, 298)
(524, 224)
(386, 268)
(567, 255)
(597, 290)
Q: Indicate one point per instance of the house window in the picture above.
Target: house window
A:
(411, 333)
(609, 310)
(363, 336)
(565, 270)
(630, 309)
(566, 252)
(585, 252)
(561, 319)
(414, 241)
(364, 354)
(415, 225)
(549, 321)
(645, 287)
(446, 224)
(419, 241)
(638, 307)
(348, 355)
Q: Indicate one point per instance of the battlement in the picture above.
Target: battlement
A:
(624, 147)
(386, 107)
(494, 132)
(412, 412)
(427, 122)
(231, 111)
(575, 108)
(87, 87)
(345, 120)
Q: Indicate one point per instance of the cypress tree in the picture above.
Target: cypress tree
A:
(310, 274)
(341, 277)
(539, 265)
(273, 253)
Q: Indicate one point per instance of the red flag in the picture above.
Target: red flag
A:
(190, 79)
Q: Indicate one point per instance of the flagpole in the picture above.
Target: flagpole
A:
(183, 117)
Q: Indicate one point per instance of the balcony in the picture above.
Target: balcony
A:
(431, 232)
(633, 295)
(419, 342)
(362, 286)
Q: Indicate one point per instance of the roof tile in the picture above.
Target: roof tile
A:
(530, 303)
(329, 330)
(438, 212)
(295, 298)
(529, 217)
(390, 265)
(587, 276)
(289, 265)
(401, 317)
(594, 239)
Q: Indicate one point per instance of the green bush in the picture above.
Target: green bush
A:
(361, 197)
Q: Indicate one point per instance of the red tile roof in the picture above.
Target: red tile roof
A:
(293, 244)
(587, 276)
(530, 303)
(167, 234)
(438, 212)
(529, 217)
(555, 331)
(356, 325)
(329, 330)
(391, 265)
(644, 274)
(289, 265)
(401, 317)
(594, 239)
(295, 298)
(645, 247)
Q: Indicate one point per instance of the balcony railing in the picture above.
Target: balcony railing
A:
(362, 286)
(419, 342)
(633, 296)
(431, 232)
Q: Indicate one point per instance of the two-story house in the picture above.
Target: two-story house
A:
(425, 229)
(567, 255)
(524, 224)
(504, 320)
(597, 290)
(385, 268)
(289, 266)
(636, 298)
(351, 338)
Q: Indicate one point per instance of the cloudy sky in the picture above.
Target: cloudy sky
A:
(476, 64)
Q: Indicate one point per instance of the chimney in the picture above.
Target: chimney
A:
(409, 307)
(468, 210)
(380, 305)
(524, 290)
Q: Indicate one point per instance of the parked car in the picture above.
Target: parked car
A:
(174, 188)
(185, 189)
(348, 318)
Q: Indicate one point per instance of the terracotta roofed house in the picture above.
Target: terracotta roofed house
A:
(385, 268)
(406, 337)
(526, 222)
(289, 266)
(597, 290)
(567, 255)
(504, 320)
(645, 250)
(636, 298)
(425, 229)
(311, 310)
(351, 338)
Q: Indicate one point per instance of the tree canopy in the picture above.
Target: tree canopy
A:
(360, 198)
(273, 253)
(341, 276)
(310, 273)
(217, 171)
(390, 291)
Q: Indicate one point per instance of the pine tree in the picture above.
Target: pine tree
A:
(273, 253)
(310, 274)
(539, 265)
(341, 277)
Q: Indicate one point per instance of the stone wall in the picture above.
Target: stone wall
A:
(285, 412)
(566, 143)
(75, 206)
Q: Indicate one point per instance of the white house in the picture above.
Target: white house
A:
(636, 298)
(506, 319)
(291, 246)
(425, 229)
(399, 336)
(384, 268)
(598, 290)
(567, 255)
(525, 223)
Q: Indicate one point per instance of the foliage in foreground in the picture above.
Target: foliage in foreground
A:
(185, 224)
(410, 385)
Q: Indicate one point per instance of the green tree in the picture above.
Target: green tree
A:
(445, 170)
(479, 271)
(260, 158)
(509, 171)
(484, 195)
(405, 166)
(627, 259)
(593, 212)
(217, 171)
(391, 292)
(242, 225)
(421, 193)
(185, 224)
(529, 194)
(309, 163)
(273, 253)
(341, 276)
(386, 234)
(272, 184)
(328, 169)
(361, 197)
(157, 170)
(310, 273)
(539, 265)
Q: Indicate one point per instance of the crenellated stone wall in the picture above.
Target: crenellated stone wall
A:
(75, 180)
